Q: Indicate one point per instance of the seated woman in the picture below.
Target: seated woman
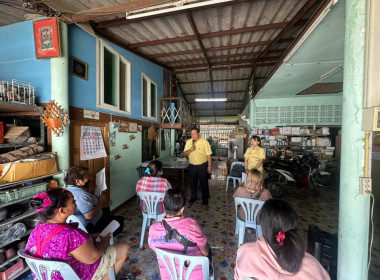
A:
(89, 207)
(279, 253)
(253, 188)
(67, 243)
(153, 182)
(160, 237)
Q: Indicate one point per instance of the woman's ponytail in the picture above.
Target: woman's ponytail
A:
(278, 221)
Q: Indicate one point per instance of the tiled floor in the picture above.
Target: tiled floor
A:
(218, 222)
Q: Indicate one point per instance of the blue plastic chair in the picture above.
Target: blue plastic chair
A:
(251, 208)
(176, 272)
(235, 179)
(74, 219)
(46, 267)
(150, 200)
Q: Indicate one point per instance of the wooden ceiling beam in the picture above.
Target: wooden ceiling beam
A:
(195, 31)
(176, 53)
(245, 30)
(164, 41)
(215, 68)
(215, 81)
(110, 38)
(220, 92)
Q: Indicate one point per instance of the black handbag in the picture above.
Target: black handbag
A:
(236, 170)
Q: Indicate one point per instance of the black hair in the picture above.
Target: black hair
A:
(174, 200)
(154, 166)
(275, 216)
(76, 173)
(255, 137)
(58, 198)
(195, 128)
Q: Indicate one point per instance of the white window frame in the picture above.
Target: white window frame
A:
(100, 78)
(150, 81)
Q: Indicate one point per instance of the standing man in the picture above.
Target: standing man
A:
(199, 152)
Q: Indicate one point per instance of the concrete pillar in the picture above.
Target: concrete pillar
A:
(60, 93)
(353, 207)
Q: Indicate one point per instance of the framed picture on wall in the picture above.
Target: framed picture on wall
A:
(78, 68)
(46, 38)
(132, 127)
(123, 126)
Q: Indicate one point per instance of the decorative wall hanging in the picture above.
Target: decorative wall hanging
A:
(46, 38)
(55, 118)
(78, 68)
(125, 147)
(151, 133)
(117, 157)
(132, 137)
(132, 127)
(123, 126)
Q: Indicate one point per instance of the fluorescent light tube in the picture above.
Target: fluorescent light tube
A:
(130, 15)
(210, 99)
(331, 72)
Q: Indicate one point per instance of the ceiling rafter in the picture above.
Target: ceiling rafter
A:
(220, 92)
(292, 22)
(211, 34)
(229, 101)
(195, 31)
(125, 46)
(215, 81)
(315, 15)
(202, 69)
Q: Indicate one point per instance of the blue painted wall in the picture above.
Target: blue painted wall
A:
(82, 45)
(18, 60)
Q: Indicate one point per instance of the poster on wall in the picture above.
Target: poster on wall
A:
(91, 143)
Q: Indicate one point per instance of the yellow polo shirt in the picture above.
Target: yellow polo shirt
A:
(202, 150)
(253, 156)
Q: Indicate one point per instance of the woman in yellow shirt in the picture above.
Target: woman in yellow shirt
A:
(254, 156)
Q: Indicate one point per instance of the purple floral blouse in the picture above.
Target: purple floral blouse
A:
(64, 242)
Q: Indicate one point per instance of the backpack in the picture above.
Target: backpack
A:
(236, 170)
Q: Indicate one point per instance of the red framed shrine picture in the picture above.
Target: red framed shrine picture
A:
(46, 38)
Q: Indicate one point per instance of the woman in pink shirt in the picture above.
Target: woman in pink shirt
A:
(279, 253)
(253, 188)
(174, 203)
(56, 240)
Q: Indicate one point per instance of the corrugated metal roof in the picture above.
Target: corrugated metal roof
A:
(213, 51)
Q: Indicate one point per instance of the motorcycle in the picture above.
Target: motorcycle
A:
(299, 172)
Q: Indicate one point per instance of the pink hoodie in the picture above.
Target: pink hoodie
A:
(257, 260)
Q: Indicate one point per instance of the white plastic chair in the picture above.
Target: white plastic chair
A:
(45, 267)
(235, 179)
(251, 208)
(74, 219)
(176, 272)
(150, 200)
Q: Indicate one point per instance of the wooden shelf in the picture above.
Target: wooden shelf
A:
(2, 185)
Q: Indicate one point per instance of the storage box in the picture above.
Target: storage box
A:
(8, 196)
(13, 271)
(296, 139)
(296, 130)
(17, 171)
(286, 130)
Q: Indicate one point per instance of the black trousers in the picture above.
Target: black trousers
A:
(199, 172)
(104, 221)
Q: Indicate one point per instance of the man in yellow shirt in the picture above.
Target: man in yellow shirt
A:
(199, 152)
